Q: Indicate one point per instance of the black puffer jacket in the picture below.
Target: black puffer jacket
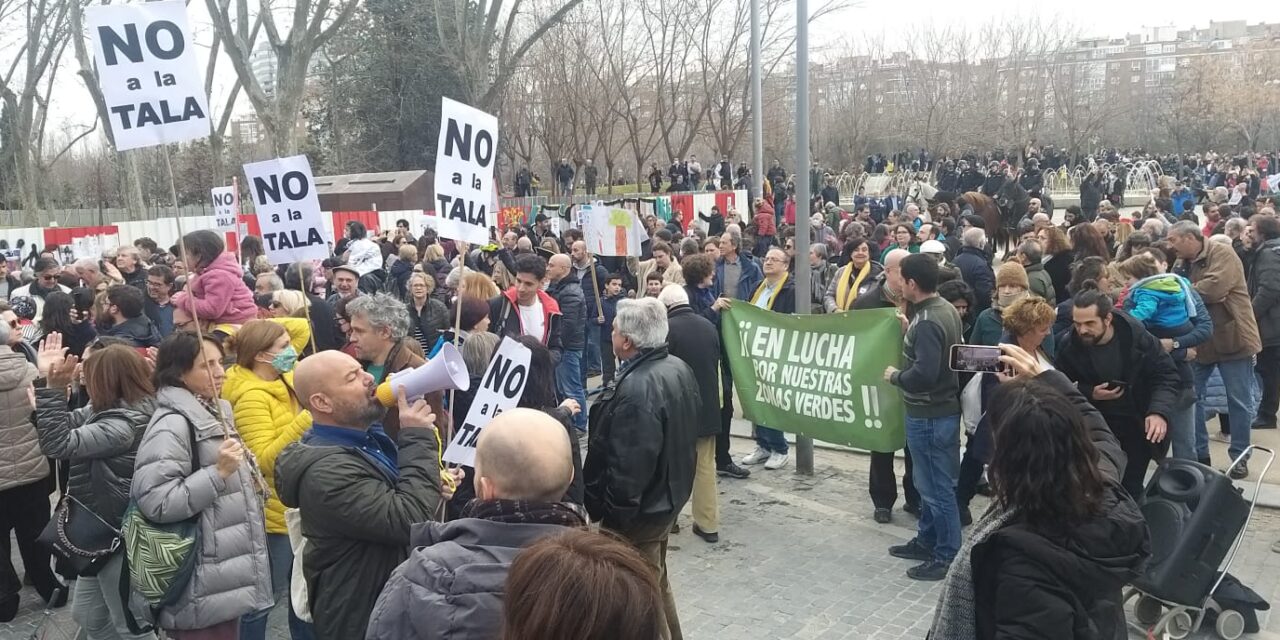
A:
(100, 446)
(696, 341)
(573, 312)
(1029, 585)
(640, 458)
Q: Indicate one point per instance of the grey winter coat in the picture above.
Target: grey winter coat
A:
(451, 586)
(234, 576)
(21, 461)
(100, 446)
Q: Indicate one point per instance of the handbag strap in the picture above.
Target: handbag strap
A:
(124, 590)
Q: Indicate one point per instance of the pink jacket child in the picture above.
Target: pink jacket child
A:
(220, 292)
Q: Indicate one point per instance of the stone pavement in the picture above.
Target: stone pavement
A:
(800, 557)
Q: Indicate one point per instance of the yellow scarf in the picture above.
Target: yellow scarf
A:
(773, 296)
(843, 299)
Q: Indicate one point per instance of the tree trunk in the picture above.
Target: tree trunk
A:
(134, 201)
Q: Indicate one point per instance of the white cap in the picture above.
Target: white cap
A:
(933, 246)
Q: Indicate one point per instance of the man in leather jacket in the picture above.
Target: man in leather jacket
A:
(640, 459)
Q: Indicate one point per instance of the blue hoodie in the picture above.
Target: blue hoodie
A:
(1161, 302)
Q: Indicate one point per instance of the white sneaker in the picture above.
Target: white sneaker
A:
(777, 461)
(756, 457)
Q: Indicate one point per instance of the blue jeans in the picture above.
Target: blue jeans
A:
(1182, 432)
(1242, 402)
(253, 626)
(569, 384)
(770, 439)
(935, 450)
(590, 360)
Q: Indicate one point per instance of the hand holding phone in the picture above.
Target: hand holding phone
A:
(975, 358)
(1111, 390)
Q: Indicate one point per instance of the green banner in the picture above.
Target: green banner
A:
(818, 375)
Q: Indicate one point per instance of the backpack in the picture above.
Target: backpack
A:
(162, 557)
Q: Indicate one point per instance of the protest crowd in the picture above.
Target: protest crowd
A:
(485, 422)
(239, 420)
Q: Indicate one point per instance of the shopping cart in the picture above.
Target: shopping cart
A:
(1160, 616)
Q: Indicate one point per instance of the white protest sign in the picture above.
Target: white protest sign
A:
(148, 72)
(224, 207)
(500, 390)
(284, 198)
(612, 231)
(465, 156)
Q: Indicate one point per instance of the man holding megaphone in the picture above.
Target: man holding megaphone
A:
(357, 490)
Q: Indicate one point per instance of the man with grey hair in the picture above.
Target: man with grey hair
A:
(1154, 227)
(737, 274)
(974, 264)
(89, 271)
(883, 484)
(267, 283)
(1235, 230)
(129, 263)
(1218, 276)
(380, 337)
(640, 463)
(1031, 257)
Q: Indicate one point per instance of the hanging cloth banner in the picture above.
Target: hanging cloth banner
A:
(819, 375)
(148, 72)
(662, 207)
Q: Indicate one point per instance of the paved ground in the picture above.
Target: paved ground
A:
(800, 558)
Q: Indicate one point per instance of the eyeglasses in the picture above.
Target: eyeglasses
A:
(773, 259)
(44, 278)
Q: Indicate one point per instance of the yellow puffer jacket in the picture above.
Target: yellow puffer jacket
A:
(299, 334)
(269, 418)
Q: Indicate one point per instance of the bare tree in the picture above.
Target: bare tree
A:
(217, 138)
(313, 23)
(1250, 99)
(25, 87)
(1079, 99)
(1191, 114)
(622, 77)
(481, 39)
(1016, 62)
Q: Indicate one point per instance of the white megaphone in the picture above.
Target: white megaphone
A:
(445, 371)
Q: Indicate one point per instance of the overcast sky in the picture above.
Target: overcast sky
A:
(870, 19)
(1110, 18)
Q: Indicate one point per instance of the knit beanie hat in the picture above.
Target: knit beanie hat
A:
(1012, 274)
